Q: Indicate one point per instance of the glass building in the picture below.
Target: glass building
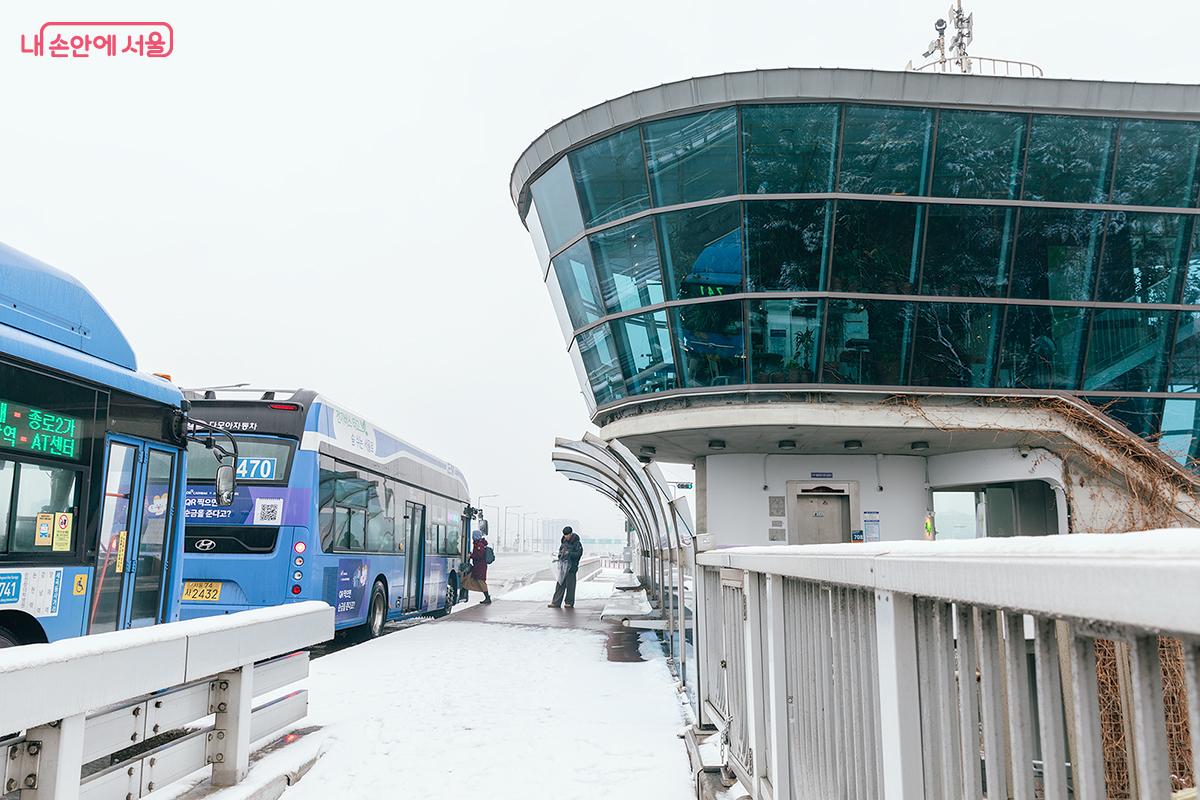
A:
(801, 229)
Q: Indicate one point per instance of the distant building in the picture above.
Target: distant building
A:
(551, 533)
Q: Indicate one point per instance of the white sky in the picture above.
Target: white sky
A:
(316, 194)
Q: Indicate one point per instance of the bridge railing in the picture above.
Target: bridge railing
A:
(904, 670)
(80, 701)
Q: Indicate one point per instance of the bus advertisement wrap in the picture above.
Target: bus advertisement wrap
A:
(253, 505)
(351, 585)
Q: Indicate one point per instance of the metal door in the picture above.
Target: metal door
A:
(823, 519)
(151, 546)
(414, 555)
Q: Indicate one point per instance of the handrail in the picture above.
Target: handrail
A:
(967, 64)
(83, 699)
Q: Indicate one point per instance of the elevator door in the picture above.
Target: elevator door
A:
(822, 518)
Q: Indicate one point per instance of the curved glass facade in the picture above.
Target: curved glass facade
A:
(886, 247)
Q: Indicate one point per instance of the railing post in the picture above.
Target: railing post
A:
(58, 748)
(899, 703)
(235, 695)
(756, 669)
(781, 704)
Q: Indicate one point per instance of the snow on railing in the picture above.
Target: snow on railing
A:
(902, 670)
(80, 700)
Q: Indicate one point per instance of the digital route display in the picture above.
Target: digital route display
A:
(35, 430)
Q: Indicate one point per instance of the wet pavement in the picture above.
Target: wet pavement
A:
(621, 644)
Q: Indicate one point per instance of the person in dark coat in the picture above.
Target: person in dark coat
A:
(479, 567)
(570, 551)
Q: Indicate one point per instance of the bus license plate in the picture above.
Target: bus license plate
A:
(202, 591)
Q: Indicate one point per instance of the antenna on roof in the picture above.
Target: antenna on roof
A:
(952, 56)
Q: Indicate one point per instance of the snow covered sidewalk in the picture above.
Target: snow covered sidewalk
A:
(476, 706)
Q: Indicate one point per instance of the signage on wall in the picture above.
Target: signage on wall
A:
(870, 526)
(816, 476)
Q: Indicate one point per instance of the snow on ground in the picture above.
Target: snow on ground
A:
(543, 591)
(465, 709)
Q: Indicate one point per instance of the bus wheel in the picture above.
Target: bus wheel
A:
(451, 599)
(8, 639)
(377, 615)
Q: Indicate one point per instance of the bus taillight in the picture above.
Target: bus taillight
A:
(299, 547)
(295, 588)
(284, 406)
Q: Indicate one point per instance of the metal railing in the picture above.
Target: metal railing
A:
(904, 670)
(82, 700)
(981, 65)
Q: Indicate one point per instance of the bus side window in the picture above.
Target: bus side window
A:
(325, 514)
(381, 531)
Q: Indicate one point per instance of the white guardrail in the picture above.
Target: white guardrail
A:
(80, 700)
(901, 670)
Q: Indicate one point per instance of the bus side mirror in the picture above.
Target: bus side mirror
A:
(225, 485)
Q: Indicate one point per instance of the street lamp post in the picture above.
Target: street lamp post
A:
(505, 537)
(523, 535)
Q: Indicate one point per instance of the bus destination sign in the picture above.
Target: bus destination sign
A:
(34, 430)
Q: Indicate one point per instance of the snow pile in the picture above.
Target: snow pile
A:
(465, 709)
(543, 591)
(627, 605)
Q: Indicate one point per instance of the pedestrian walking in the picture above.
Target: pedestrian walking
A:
(481, 556)
(570, 551)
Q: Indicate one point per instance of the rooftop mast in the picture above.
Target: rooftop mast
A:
(953, 57)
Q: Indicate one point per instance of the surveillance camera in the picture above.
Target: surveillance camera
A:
(1024, 450)
(940, 26)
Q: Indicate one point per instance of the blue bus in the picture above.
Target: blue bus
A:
(92, 459)
(328, 507)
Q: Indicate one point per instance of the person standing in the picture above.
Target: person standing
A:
(570, 551)
(477, 578)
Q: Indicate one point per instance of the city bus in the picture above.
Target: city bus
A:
(92, 459)
(328, 507)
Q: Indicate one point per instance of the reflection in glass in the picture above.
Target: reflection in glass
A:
(875, 246)
(610, 177)
(967, 250)
(157, 521)
(627, 266)
(1143, 256)
(785, 245)
(644, 348)
(1191, 278)
(956, 344)
(1056, 253)
(112, 544)
(784, 337)
(40, 489)
(1141, 415)
(885, 150)
(1069, 159)
(693, 157)
(867, 343)
(1041, 347)
(1180, 422)
(1156, 163)
(8, 476)
(577, 280)
(557, 205)
(702, 251)
(1185, 359)
(711, 343)
(789, 148)
(598, 350)
(1127, 350)
(978, 154)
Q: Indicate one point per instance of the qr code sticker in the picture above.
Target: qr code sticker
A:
(268, 511)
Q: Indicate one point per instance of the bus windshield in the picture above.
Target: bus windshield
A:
(260, 460)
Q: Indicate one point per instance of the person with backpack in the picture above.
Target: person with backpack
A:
(570, 551)
(481, 555)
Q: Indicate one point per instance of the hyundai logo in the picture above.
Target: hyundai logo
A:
(204, 545)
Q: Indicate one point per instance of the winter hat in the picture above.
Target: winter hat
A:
(567, 531)
(476, 536)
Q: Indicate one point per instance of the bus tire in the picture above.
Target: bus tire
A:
(377, 612)
(8, 638)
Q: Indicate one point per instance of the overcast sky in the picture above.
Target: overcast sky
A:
(316, 194)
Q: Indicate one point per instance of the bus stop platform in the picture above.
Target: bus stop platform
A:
(510, 700)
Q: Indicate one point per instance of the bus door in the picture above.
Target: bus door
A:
(137, 532)
(414, 552)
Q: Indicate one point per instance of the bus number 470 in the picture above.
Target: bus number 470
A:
(256, 469)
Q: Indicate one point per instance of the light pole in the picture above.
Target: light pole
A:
(505, 535)
(524, 536)
(479, 500)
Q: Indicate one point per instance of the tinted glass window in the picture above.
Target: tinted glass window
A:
(1127, 350)
(1185, 361)
(967, 250)
(955, 344)
(644, 348)
(598, 350)
(1056, 254)
(1143, 257)
(875, 247)
(1156, 163)
(1069, 159)
(557, 205)
(885, 149)
(978, 154)
(693, 157)
(39, 490)
(157, 520)
(784, 337)
(1041, 348)
(702, 251)
(789, 148)
(577, 280)
(381, 522)
(257, 458)
(627, 266)
(1191, 278)
(786, 244)
(8, 479)
(1180, 422)
(711, 343)
(867, 342)
(351, 488)
(349, 528)
(610, 177)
